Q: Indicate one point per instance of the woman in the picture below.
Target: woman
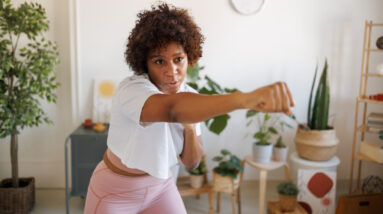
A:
(154, 114)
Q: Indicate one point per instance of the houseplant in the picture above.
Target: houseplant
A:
(316, 140)
(267, 126)
(280, 150)
(226, 176)
(197, 175)
(27, 76)
(288, 192)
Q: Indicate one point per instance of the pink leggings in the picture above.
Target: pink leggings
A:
(111, 193)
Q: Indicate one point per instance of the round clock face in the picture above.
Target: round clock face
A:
(247, 6)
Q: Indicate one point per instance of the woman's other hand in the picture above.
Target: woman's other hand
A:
(271, 98)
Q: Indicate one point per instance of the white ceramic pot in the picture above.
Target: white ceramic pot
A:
(262, 153)
(280, 154)
(196, 181)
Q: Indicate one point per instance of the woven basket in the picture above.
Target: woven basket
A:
(316, 145)
(225, 183)
(17, 200)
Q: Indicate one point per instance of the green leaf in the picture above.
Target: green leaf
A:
(251, 113)
(217, 158)
(219, 123)
(273, 130)
(225, 152)
(267, 117)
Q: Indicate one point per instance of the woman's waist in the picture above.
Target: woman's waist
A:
(115, 162)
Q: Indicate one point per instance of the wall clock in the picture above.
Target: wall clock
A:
(247, 7)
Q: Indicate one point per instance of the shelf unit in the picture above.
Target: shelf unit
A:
(364, 100)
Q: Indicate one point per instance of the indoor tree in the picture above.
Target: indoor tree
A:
(27, 72)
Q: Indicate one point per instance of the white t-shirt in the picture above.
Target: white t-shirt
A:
(150, 147)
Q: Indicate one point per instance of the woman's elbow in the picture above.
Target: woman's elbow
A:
(190, 165)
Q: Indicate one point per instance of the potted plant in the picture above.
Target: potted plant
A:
(226, 176)
(197, 175)
(27, 76)
(280, 150)
(266, 127)
(316, 140)
(288, 192)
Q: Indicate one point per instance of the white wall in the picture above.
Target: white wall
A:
(284, 41)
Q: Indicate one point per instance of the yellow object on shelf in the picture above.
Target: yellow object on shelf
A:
(99, 127)
(372, 150)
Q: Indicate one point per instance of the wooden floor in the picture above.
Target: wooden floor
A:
(52, 201)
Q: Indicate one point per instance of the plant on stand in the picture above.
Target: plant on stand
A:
(288, 193)
(197, 175)
(226, 176)
(27, 76)
(280, 150)
(266, 127)
(316, 140)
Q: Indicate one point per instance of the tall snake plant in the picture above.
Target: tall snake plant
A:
(318, 119)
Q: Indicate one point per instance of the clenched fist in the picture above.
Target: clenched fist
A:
(271, 98)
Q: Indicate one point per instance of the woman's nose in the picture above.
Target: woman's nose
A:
(171, 70)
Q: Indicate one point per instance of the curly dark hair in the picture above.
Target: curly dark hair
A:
(157, 27)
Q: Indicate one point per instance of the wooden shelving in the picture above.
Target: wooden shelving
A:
(373, 74)
(362, 157)
(374, 50)
(366, 100)
(363, 99)
(363, 128)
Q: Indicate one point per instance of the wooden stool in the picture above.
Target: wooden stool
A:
(264, 168)
(273, 207)
(232, 188)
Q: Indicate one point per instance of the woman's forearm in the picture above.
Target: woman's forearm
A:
(192, 152)
(190, 108)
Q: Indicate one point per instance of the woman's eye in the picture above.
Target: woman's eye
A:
(179, 59)
(159, 61)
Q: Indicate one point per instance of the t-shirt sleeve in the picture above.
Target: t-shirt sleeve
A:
(132, 97)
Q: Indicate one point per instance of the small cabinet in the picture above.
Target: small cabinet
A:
(87, 148)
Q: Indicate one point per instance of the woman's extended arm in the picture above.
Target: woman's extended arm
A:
(192, 108)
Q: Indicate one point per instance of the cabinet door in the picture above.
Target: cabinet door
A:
(87, 152)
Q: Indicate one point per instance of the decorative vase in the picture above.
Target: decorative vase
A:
(196, 181)
(280, 153)
(316, 145)
(288, 202)
(262, 153)
(225, 183)
(19, 200)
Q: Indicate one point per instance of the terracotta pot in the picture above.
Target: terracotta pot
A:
(262, 153)
(316, 145)
(19, 200)
(288, 202)
(280, 154)
(196, 181)
(225, 183)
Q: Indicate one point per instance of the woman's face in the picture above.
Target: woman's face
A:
(167, 67)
